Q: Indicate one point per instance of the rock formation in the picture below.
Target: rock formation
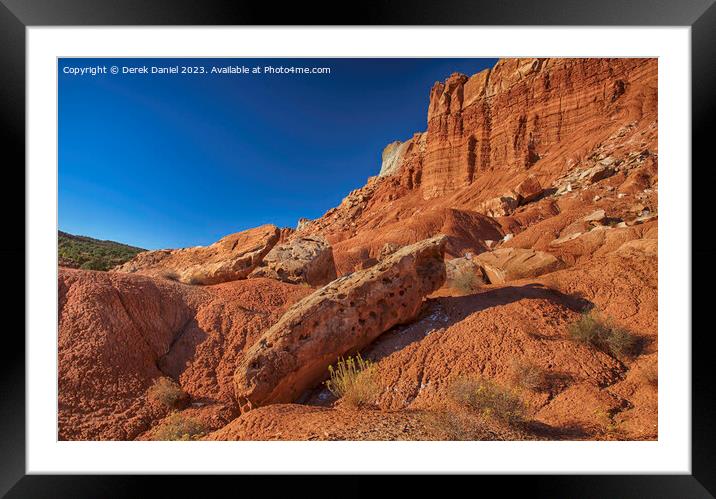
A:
(503, 140)
(509, 264)
(465, 230)
(232, 257)
(456, 268)
(336, 320)
(119, 332)
(300, 260)
(540, 177)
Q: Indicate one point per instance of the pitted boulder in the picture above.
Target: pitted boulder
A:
(336, 320)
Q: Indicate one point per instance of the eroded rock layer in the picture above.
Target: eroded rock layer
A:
(542, 174)
(231, 258)
(506, 137)
(119, 332)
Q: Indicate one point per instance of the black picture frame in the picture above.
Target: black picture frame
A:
(17, 15)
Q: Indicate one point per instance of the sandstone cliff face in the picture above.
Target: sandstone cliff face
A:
(504, 138)
(526, 110)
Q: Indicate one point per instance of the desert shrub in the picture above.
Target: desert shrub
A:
(194, 281)
(606, 426)
(168, 393)
(170, 275)
(353, 381)
(177, 426)
(464, 281)
(592, 329)
(529, 376)
(650, 374)
(450, 425)
(488, 399)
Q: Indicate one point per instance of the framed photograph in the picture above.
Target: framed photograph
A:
(417, 241)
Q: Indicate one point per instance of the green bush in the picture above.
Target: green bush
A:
(353, 381)
(488, 399)
(590, 328)
(180, 427)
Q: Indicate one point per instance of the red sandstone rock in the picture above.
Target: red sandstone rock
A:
(232, 257)
(300, 260)
(119, 332)
(553, 123)
(528, 190)
(509, 264)
(466, 232)
(583, 130)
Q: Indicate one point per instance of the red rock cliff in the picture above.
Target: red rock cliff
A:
(520, 112)
(538, 123)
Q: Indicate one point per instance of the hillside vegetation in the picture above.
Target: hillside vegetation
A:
(92, 254)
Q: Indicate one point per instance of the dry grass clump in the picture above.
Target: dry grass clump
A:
(488, 399)
(529, 377)
(592, 329)
(465, 282)
(465, 425)
(170, 275)
(180, 427)
(168, 393)
(451, 425)
(353, 380)
(608, 428)
(197, 279)
(650, 374)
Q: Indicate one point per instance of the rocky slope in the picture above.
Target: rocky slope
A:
(530, 198)
(119, 332)
(231, 258)
(566, 125)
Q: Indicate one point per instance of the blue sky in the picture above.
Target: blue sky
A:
(175, 160)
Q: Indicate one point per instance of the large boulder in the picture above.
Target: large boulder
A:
(508, 264)
(528, 190)
(301, 260)
(336, 320)
(229, 259)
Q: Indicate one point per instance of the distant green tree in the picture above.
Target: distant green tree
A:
(94, 264)
(92, 254)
